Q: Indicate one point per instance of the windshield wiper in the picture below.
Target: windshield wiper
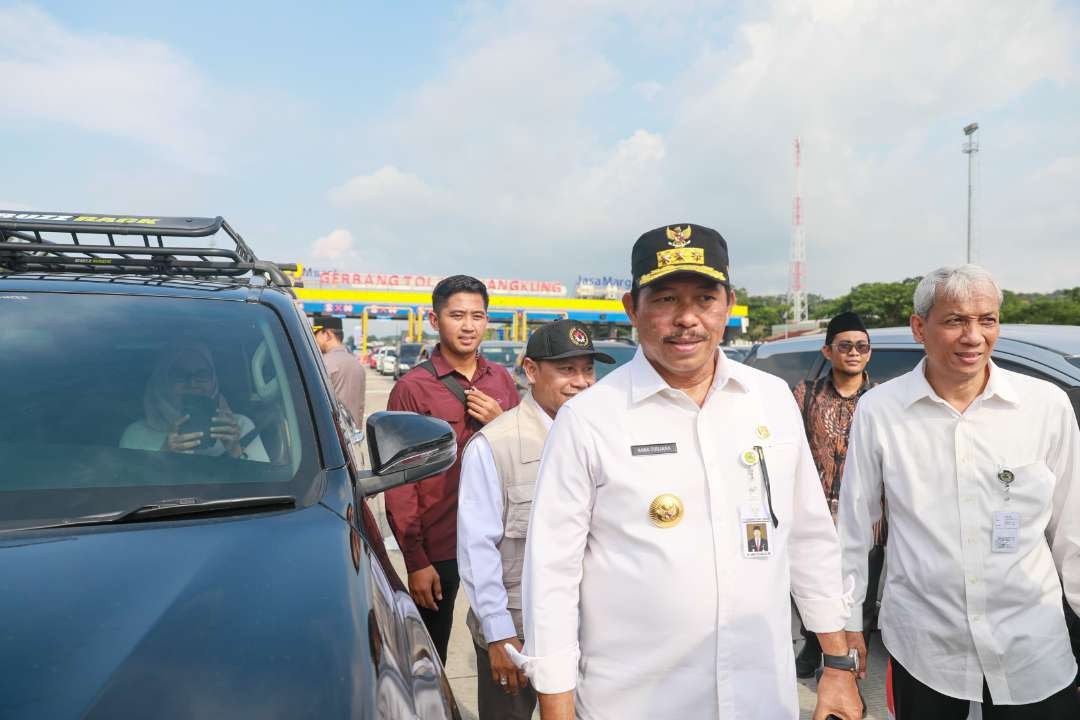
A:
(181, 507)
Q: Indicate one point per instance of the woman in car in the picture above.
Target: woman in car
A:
(182, 383)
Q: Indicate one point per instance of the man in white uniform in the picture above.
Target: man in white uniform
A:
(981, 470)
(641, 596)
(498, 476)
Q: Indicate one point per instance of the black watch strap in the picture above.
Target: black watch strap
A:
(849, 662)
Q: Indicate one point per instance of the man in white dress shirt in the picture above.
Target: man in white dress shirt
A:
(981, 470)
(641, 596)
(498, 474)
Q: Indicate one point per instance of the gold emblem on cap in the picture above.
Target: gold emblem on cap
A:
(763, 432)
(689, 256)
(578, 337)
(666, 511)
(750, 457)
(679, 236)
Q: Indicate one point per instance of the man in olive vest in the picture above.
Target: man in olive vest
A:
(498, 474)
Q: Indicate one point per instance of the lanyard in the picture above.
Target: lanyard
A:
(765, 480)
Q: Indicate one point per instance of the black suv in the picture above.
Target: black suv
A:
(183, 525)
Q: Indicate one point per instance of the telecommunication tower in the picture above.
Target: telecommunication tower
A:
(969, 148)
(797, 278)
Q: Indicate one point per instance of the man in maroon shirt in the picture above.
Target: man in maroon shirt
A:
(460, 387)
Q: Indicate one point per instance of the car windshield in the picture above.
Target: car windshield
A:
(500, 354)
(408, 353)
(1074, 359)
(117, 401)
(621, 354)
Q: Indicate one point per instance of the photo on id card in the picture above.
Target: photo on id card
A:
(757, 538)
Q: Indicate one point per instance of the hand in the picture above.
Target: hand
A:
(425, 587)
(503, 667)
(857, 641)
(176, 441)
(224, 427)
(482, 407)
(838, 694)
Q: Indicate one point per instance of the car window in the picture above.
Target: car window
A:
(409, 352)
(1072, 391)
(793, 367)
(500, 354)
(102, 379)
(621, 354)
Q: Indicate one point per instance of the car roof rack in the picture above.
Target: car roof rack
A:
(127, 245)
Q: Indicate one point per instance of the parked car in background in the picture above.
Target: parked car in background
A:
(735, 352)
(389, 364)
(622, 351)
(381, 359)
(501, 352)
(407, 355)
(1049, 352)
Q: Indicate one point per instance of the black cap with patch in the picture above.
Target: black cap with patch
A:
(563, 339)
(679, 248)
(325, 322)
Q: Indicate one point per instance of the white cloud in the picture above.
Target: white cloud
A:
(337, 245)
(124, 86)
(514, 165)
(388, 189)
(648, 90)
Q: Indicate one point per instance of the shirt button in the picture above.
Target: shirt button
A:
(973, 580)
(977, 618)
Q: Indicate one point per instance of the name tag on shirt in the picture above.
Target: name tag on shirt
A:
(654, 449)
(1006, 535)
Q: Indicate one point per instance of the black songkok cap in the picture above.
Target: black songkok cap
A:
(844, 322)
(679, 248)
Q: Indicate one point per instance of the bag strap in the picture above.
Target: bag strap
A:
(448, 380)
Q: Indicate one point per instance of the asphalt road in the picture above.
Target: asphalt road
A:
(461, 662)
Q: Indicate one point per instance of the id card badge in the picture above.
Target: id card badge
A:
(754, 531)
(1006, 535)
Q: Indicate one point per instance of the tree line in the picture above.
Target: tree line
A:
(889, 304)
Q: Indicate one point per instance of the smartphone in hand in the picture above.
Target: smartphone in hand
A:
(200, 410)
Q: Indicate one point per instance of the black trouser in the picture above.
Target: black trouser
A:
(875, 563)
(493, 702)
(438, 622)
(915, 701)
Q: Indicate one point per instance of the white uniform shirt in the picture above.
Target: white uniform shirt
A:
(480, 529)
(953, 611)
(676, 622)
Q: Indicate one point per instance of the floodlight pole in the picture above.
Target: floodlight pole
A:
(970, 148)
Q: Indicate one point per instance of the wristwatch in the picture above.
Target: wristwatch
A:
(842, 662)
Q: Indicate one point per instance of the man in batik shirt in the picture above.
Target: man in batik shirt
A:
(828, 406)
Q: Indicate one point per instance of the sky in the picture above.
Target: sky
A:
(537, 140)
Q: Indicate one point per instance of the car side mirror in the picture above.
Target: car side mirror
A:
(405, 447)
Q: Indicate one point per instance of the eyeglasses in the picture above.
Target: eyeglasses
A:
(845, 346)
(181, 376)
